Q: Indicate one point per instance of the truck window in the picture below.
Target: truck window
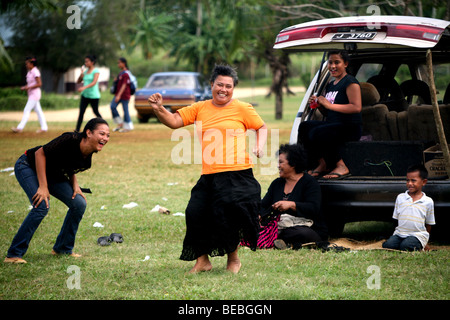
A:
(368, 70)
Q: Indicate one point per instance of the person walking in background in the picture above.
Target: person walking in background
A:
(90, 93)
(33, 89)
(122, 95)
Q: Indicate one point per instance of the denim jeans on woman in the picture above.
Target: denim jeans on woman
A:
(127, 123)
(63, 191)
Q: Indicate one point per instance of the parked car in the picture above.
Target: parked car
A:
(179, 89)
(388, 57)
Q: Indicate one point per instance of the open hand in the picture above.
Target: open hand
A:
(77, 190)
(42, 194)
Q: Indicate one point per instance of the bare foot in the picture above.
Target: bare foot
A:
(202, 264)
(233, 262)
(234, 266)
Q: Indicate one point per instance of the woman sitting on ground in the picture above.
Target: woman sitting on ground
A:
(296, 196)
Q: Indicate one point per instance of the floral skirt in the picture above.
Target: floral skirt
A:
(222, 212)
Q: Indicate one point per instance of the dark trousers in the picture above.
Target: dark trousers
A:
(84, 102)
(299, 235)
(322, 139)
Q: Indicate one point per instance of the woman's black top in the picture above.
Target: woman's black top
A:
(337, 94)
(63, 157)
(307, 197)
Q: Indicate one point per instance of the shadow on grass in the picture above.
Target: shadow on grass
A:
(368, 230)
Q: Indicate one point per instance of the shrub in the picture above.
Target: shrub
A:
(14, 99)
(12, 91)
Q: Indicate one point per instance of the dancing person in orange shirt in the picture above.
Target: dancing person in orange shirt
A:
(225, 203)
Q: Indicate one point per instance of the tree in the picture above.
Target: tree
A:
(206, 34)
(7, 6)
(237, 32)
(152, 32)
(45, 34)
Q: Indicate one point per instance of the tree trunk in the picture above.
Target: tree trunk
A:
(56, 77)
(279, 105)
(279, 65)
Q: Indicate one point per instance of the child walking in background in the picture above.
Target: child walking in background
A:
(414, 212)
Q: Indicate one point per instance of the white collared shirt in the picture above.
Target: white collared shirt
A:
(413, 215)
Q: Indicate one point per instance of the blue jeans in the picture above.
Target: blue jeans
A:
(115, 114)
(406, 244)
(63, 191)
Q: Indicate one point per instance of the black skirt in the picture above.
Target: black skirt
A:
(222, 211)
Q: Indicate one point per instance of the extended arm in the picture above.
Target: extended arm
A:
(172, 120)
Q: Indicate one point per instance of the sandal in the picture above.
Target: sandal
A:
(116, 237)
(73, 255)
(104, 241)
(338, 176)
(14, 260)
(317, 173)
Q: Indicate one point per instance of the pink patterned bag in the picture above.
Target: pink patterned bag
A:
(267, 235)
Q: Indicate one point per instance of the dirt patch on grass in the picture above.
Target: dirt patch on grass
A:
(373, 245)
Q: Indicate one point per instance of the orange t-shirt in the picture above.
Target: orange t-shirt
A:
(222, 133)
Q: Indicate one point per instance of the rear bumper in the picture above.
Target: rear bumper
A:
(143, 107)
(369, 199)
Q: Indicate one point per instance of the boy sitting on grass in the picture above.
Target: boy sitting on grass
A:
(414, 212)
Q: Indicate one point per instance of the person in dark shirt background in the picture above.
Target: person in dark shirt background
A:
(122, 96)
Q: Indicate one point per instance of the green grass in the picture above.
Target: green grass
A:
(136, 167)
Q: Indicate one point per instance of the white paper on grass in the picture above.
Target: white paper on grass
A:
(156, 208)
(130, 205)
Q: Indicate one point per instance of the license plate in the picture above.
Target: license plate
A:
(354, 36)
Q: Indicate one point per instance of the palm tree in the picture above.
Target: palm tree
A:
(152, 32)
(204, 49)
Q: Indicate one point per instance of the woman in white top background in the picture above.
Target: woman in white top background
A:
(33, 88)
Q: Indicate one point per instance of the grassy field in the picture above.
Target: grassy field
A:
(137, 167)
